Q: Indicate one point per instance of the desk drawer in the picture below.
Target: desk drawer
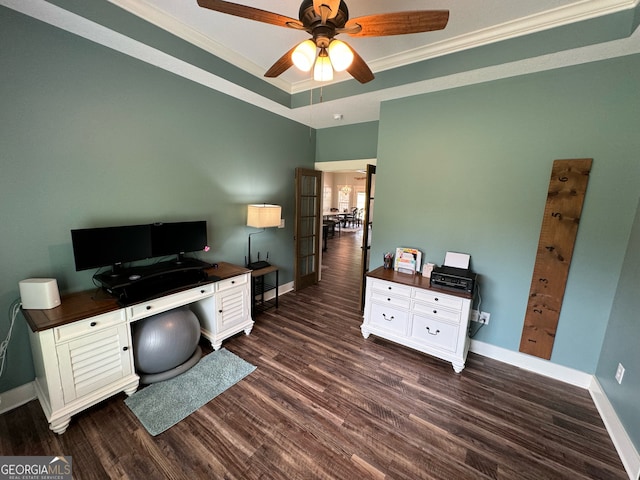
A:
(384, 288)
(388, 318)
(437, 311)
(223, 285)
(89, 325)
(432, 332)
(402, 302)
(162, 304)
(441, 299)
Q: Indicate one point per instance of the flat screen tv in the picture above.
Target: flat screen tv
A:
(110, 246)
(178, 238)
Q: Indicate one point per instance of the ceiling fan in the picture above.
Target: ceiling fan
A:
(323, 20)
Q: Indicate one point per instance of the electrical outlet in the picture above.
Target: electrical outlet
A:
(484, 317)
(619, 373)
(474, 315)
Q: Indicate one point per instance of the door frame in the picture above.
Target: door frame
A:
(342, 166)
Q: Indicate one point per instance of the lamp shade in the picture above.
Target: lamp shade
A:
(263, 215)
(304, 55)
(323, 72)
(340, 54)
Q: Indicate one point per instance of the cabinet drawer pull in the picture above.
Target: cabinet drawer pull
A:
(389, 288)
(435, 311)
(384, 315)
(388, 299)
(436, 299)
(219, 311)
(124, 349)
(429, 332)
(202, 291)
(93, 324)
(233, 282)
(148, 307)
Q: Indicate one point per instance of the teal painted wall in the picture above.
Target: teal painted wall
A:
(621, 341)
(467, 170)
(91, 137)
(349, 142)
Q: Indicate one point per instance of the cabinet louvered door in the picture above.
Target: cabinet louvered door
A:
(232, 309)
(94, 361)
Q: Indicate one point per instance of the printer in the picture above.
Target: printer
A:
(455, 275)
(454, 279)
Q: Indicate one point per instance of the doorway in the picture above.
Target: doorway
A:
(355, 180)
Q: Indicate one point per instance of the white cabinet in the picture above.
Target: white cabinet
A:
(402, 308)
(227, 312)
(80, 364)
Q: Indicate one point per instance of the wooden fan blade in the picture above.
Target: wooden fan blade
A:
(282, 65)
(359, 69)
(250, 13)
(399, 23)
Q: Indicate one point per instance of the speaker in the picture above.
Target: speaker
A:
(39, 293)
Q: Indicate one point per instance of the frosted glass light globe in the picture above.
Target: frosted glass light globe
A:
(304, 55)
(341, 55)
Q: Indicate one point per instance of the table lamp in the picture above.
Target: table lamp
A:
(261, 216)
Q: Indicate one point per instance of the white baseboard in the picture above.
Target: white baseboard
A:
(285, 288)
(282, 289)
(627, 451)
(533, 364)
(628, 454)
(18, 396)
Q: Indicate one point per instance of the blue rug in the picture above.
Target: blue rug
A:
(161, 405)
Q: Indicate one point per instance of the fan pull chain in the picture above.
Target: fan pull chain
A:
(310, 113)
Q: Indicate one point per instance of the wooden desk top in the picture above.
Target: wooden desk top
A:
(416, 280)
(89, 303)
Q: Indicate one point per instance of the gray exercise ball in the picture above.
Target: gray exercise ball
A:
(165, 340)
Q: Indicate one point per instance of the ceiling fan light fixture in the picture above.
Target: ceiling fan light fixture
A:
(340, 54)
(304, 55)
(323, 71)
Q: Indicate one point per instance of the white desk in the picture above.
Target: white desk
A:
(82, 350)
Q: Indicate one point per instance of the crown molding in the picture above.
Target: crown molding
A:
(585, 10)
(561, 16)
(167, 22)
(362, 107)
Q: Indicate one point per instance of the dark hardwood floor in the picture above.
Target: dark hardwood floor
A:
(325, 403)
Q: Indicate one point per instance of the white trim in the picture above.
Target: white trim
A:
(532, 364)
(545, 20)
(625, 448)
(282, 289)
(533, 23)
(538, 22)
(18, 396)
(359, 108)
(172, 25)
(628, 454)
(346, 165)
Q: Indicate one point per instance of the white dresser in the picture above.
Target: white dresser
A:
(403, 308)
(82, 350)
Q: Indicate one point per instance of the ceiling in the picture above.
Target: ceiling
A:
(575, 30)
